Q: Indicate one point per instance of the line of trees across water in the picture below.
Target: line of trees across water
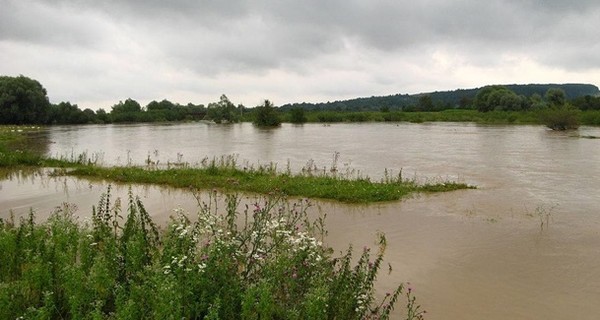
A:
(25, 101)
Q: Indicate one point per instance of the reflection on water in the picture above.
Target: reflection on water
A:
(41, 191)
(36, 140)
(470, 254)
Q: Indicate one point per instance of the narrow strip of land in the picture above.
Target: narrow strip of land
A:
(227, 177)
(232, 179)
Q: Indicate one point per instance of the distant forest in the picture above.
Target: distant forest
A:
(441, 100)
(25, 101)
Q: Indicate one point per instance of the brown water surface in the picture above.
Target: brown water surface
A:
(524, 245)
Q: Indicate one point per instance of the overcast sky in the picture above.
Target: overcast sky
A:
(97, 52)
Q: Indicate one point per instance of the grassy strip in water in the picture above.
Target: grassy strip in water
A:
(266, 261)
(228, 178)
(232, 179)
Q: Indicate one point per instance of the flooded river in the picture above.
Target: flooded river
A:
(524, 245)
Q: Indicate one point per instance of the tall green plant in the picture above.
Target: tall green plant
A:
(297, 115)
(261, 260)
(266, 115)
(560, 117)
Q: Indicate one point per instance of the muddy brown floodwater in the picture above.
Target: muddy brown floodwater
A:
(524, 245)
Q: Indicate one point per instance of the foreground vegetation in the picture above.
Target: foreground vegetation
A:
(264, 260)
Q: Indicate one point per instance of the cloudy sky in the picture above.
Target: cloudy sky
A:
(95, 53)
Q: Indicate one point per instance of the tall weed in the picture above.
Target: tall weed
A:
(262, 260)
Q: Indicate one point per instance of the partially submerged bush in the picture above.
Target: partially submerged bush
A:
(266, 115)
(266, 262)
(560, 117)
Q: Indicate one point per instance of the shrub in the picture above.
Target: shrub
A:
(297, 115)
(590, 118)
(267, 261)
(562, 117)
(266, 115)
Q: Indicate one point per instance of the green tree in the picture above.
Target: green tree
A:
(465, 102)
(127, 111)
(164, 110)
(89, 115)
(587, 103)
(555, 97)
(67, 113)
(222, 111)
(195, 112)
(266, 115)
(536, 101)
(499, 98)
(102, 116)
(297, 115)
(163, 105)
(22, 101)
(129, 105)
(556, 113)
(425, 103)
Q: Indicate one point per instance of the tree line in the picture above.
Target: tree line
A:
(454, 99)
(24, 101)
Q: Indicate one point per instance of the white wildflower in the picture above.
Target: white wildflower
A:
(181, 261)
(183, 233)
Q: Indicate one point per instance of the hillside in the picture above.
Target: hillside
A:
(447, 99)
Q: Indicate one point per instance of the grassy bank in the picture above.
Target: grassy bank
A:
(588, 117)
(455, 115)
(272, 265)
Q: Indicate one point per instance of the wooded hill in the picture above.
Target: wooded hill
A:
(460, 98)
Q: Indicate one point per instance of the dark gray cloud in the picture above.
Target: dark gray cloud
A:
(41, 23)
(255, 35)
(370, 40)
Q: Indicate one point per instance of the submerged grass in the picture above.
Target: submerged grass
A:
(264, 260)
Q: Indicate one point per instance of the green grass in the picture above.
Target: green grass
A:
(453, 115)
(265, 182)
(588, 117)
(265, 260)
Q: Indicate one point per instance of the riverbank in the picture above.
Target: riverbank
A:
(587, 118)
